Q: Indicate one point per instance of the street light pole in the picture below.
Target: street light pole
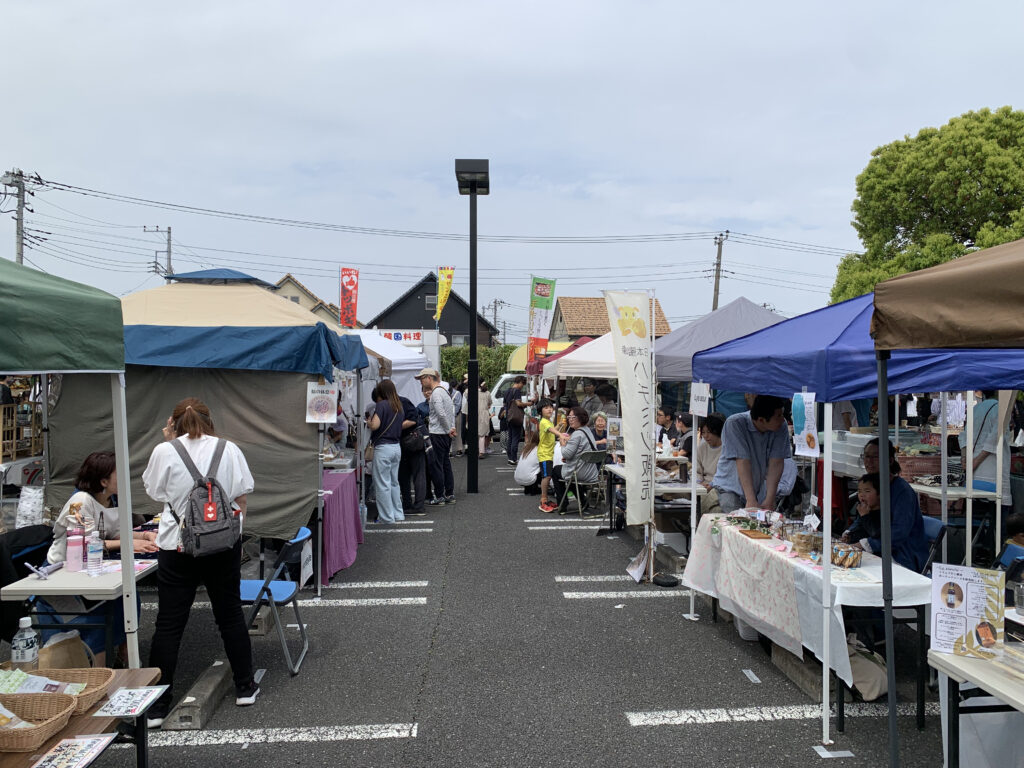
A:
(474, 178)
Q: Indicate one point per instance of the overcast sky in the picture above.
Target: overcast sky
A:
(599, 118)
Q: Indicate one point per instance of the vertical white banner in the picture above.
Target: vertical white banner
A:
(629, 313)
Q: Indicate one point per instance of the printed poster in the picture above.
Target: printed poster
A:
(445, 276)
(629, 314)
(75, 753)
(130, 702)
(805, 425)
(614, 433)
(348, 297)
(542, 308)
(968, 605)
(321, 403)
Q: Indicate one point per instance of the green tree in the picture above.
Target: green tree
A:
(493, 360)
(928, 199)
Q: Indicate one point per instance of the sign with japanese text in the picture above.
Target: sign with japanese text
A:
(321, 403)
(348, 297)
(445, 276)
(629, 314)
(700, 394)
(542, 307)
(805, 425)
(403, 336)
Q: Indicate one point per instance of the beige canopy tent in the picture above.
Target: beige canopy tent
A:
(974, 301)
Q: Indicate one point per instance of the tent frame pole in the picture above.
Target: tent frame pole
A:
(124, 505)
(884, 459)
(944, 469)
(320, 509)
(968, 460)
(826, 580)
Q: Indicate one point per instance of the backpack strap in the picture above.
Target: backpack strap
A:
(189, 464)
(218, 452)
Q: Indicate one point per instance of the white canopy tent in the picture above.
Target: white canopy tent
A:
(405, 362)
(596, 360)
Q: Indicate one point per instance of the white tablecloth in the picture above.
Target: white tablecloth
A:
(780, 596)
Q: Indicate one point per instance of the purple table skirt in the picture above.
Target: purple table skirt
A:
(343, 531)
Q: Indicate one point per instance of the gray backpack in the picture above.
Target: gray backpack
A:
(208, 524)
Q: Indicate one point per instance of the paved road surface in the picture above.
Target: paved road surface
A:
(477, 658)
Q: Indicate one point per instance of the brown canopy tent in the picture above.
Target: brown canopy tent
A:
(974, 301)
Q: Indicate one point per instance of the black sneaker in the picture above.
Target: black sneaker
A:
(246, 695)
(157, 714)
(435, 502)
(416, 513)
(511, 463)
(449, 499)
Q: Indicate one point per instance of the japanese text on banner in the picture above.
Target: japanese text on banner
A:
(445, 275)
(629, 314)
(348, 297)
(542, 305)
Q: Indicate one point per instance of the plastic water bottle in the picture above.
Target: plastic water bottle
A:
(94, 558)
(25, 646)
(75, 550)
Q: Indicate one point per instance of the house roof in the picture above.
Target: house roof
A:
(588, 316)
(291, 278)
(430, 277)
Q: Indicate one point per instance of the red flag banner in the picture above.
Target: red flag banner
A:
(348, 297)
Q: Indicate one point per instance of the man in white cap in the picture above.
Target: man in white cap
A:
(441, 424)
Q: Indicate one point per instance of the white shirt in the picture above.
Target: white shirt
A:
(168, 480)
(838, 409)
(96, 516)
(528, 467)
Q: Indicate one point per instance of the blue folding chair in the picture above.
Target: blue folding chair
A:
(1010, 553)
(935, 532)
(276, 591)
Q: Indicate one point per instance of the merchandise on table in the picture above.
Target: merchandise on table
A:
(19, 681)
(846, 556)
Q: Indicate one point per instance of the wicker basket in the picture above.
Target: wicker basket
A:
(48, 712)
(97, 681)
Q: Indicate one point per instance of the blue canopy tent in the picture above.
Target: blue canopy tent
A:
(248, 354)
(830, 351)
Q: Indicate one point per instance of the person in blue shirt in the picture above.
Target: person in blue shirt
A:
(755, 445)
(909, 543)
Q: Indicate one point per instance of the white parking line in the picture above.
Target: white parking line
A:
(399, 530)
(405, 522)
(377, 584)
(314, 603)
(279, 735)
(557, 519)
(564, 579)
(621, 595)
(563, 527)
(756, 714)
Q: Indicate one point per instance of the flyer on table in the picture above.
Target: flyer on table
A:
(968, 605)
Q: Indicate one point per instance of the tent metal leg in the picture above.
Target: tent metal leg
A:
(884, 458)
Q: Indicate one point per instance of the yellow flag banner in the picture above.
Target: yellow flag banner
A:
(445, 275)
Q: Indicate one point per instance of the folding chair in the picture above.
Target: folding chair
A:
(276, 591)
(594, 490)
(935, 532)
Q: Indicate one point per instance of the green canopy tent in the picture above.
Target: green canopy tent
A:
(53, 325)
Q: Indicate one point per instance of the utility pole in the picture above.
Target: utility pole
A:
(718, 267)
(170, 270)
(15, 178)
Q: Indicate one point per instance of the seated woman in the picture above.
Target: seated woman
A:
(91, 508)
(599, 429)
(579, 442)
(909, 543)
(709, 449)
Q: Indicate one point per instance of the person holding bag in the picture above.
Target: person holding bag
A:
(168, 479)
(386, 425)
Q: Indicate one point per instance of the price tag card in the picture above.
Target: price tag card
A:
(812, 521)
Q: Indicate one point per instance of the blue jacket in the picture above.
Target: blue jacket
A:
(909, 544)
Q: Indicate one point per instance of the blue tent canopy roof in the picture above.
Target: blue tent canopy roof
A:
(830, 351)
(218, 277)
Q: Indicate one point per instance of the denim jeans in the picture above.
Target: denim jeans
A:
(386, 459)
(514, 435)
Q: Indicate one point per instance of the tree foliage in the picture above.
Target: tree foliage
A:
(455, 362)
(925, 200)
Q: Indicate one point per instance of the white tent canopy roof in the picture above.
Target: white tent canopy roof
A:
(595, 359)
(405, 361)
(673, 352)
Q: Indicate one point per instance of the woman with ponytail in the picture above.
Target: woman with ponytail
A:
(168, 480)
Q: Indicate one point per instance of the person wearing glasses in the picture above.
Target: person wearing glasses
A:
(573, 446)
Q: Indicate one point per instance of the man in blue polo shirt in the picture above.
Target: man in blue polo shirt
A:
(755, 445)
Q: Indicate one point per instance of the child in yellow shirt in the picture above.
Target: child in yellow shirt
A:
(546, 452)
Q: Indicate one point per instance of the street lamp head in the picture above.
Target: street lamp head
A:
(473, 176)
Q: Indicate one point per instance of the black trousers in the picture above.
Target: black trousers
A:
(178, 576)
(412, 479)
(514, 435)
(441, 464)
(558, 484)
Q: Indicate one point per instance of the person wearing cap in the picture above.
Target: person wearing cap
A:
(683, 437)
(441, 423)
